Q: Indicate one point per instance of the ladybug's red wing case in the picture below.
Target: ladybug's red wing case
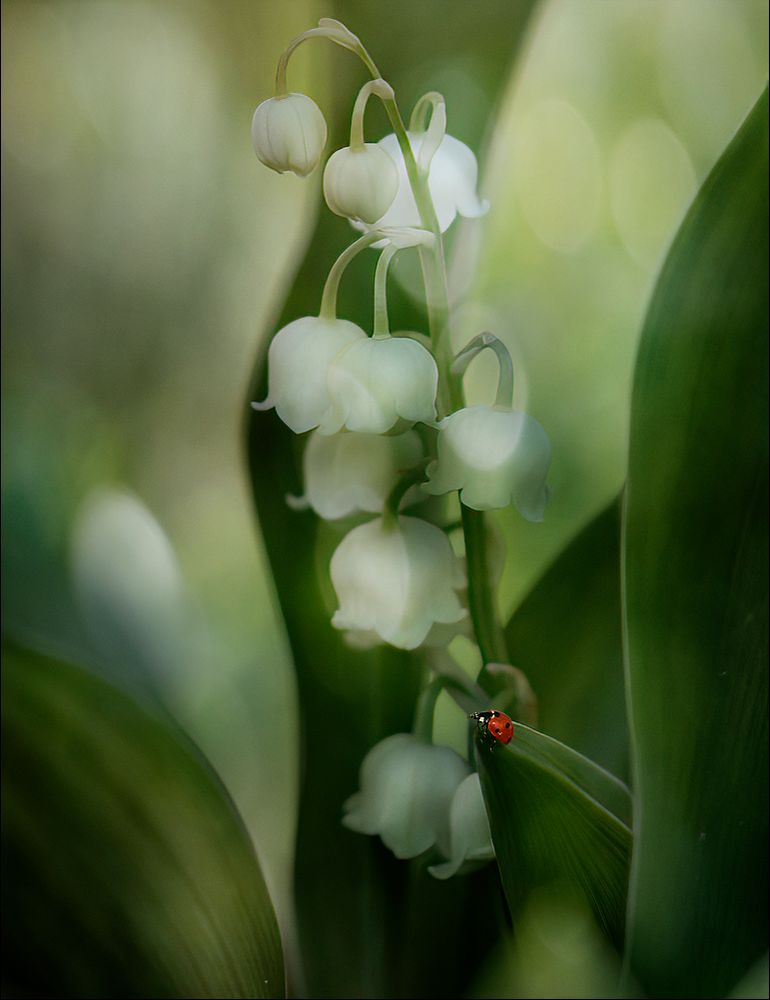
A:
(495, 724)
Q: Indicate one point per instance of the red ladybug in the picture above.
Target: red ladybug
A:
(495, 724)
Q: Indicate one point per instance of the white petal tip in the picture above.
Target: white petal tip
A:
(445, 870)
(297, 503)
(481, 207)
(265, 404)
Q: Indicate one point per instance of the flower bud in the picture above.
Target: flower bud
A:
(379, 381)
(289, 133)
(396, 579)
(493, 455)
(407, 786)
(298, 363)
(345, 473)
(469, 836)
(452, 179)
(360, 183)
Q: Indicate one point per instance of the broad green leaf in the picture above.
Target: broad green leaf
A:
(127, 871)
(566, 637)
(369, 925)
(755, 985)
(696, 591)
(593, 780)
(555, 951)
(556, 817)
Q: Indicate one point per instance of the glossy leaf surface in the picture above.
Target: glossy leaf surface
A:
(696, 591)
(127, 871)
(556, 817)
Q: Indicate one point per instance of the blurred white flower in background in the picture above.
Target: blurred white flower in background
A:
(407, 786)
(452, 183)
(469, 836)
(350, 472)
(493, 455)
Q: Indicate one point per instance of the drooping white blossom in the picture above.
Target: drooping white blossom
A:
(288, 133)
(360, 183)
(469, 836)
(493, 455)
(349, 472)
(396, 578)
(377, 382)
(406, 788)
(298, 362)
(452, 180)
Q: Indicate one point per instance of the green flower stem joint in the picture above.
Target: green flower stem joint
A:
(397, 578)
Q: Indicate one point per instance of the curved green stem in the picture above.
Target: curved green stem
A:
(397, 494)
(425, 709)
(382, 90)
(481, 599)
(460, 364)
(280, 73)
(381, 327)
(417, 118)
(460, 688)
(328, 308)
(436, 130)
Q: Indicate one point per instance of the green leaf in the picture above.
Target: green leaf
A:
(566, 637)
(127, 871)
(369, 925)
(556, 817)
(696, 591)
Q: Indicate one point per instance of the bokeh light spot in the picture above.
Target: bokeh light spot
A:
(652, 181)
(557, 172)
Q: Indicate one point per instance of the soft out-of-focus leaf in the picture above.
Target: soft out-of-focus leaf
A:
(696, 591)
(127, 871)
(556, 817)
(555, 951)
(566, 637)
(369, 925)
(755, 985)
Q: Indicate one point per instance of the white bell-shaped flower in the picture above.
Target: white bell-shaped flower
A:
(493, 455)
(469, 836)
(406, 788)
(346, 473)
(288, 133)
(360, 182)
(438, 637)
(452, 179)
(396, 578)
(379, 381)
(298, 363)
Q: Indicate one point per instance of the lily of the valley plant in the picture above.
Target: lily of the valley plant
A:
(389, 430)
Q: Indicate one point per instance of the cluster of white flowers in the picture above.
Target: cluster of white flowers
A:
(371, 402)
(395, 576)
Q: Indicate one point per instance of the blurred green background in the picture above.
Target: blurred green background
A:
(146, 255)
